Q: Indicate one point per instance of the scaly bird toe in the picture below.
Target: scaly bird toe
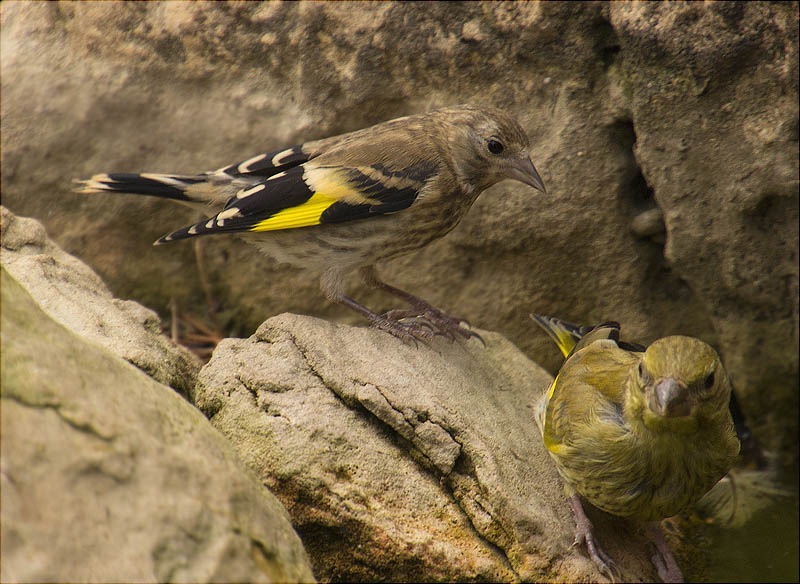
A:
(410, 331)
(443, 324)
(584, 534)
(663, 560)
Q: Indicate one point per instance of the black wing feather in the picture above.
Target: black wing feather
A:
(253, 205)
(266, 198)
(388, 199)
(265, 165)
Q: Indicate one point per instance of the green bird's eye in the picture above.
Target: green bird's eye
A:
(495, 147)
(710, 380)
(643, 375)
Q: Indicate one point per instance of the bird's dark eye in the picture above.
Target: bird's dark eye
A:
(710, 380)
(495, 147)
(642, 375)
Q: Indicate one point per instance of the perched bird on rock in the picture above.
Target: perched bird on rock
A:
(638, 432)
(344, 203)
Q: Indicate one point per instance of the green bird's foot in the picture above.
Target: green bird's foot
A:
(663, 560)
(584, 533)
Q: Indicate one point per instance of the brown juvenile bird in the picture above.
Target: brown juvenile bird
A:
(344, 203)
(639, 433)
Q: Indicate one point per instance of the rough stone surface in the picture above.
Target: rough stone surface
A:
(686, 107)
(109, 476)
(404, 463)
(73, 295)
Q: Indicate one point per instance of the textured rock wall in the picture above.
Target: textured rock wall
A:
(690, 109)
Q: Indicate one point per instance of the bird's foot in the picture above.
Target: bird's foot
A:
(663, 560)
(601, 560)
(441, 323)
(584, 534)
(410, 330)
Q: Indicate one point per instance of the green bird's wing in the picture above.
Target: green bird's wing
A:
(590, 384)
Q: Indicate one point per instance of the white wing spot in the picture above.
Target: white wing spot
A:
(105, 185)
(277, 160)
(192, 231)
(223, 170)
(244, 167)
(250, 191)
(210, 224)
(227, 214)
(277, 175)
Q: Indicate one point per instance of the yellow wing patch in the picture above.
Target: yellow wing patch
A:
(303, 215)
(329, 185)
(335, 184)
(551, 444)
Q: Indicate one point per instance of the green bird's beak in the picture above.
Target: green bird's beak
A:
(524, 171)
(670, 399)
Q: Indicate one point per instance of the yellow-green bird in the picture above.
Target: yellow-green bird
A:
(345, 203)
(638, 432)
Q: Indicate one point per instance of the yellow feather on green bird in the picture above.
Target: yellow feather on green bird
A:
(638, 432)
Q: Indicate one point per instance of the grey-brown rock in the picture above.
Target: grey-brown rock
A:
(109, 476)
(73, 295)
(404, 463)
(688, 107)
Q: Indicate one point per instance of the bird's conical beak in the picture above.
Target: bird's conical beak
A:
(670, 399)
(524, 171)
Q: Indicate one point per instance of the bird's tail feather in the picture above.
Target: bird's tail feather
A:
(168, 186)
(571, 338)
(564, 334)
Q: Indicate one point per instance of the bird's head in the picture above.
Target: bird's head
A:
(679, 383)
(489, 146)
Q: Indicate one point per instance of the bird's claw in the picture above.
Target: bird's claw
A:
(475, 335)
(663, 560)
(441, 323)
(584, 533)
(600, 559)
(409, 331)
(667, 570)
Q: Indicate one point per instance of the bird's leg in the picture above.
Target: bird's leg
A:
(444, 323)
(663, 560)
(405, 331)
(584, 534)
(331, 286)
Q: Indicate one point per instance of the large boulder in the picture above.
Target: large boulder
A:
(72, 294)
(109, 476)
(404, 463)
